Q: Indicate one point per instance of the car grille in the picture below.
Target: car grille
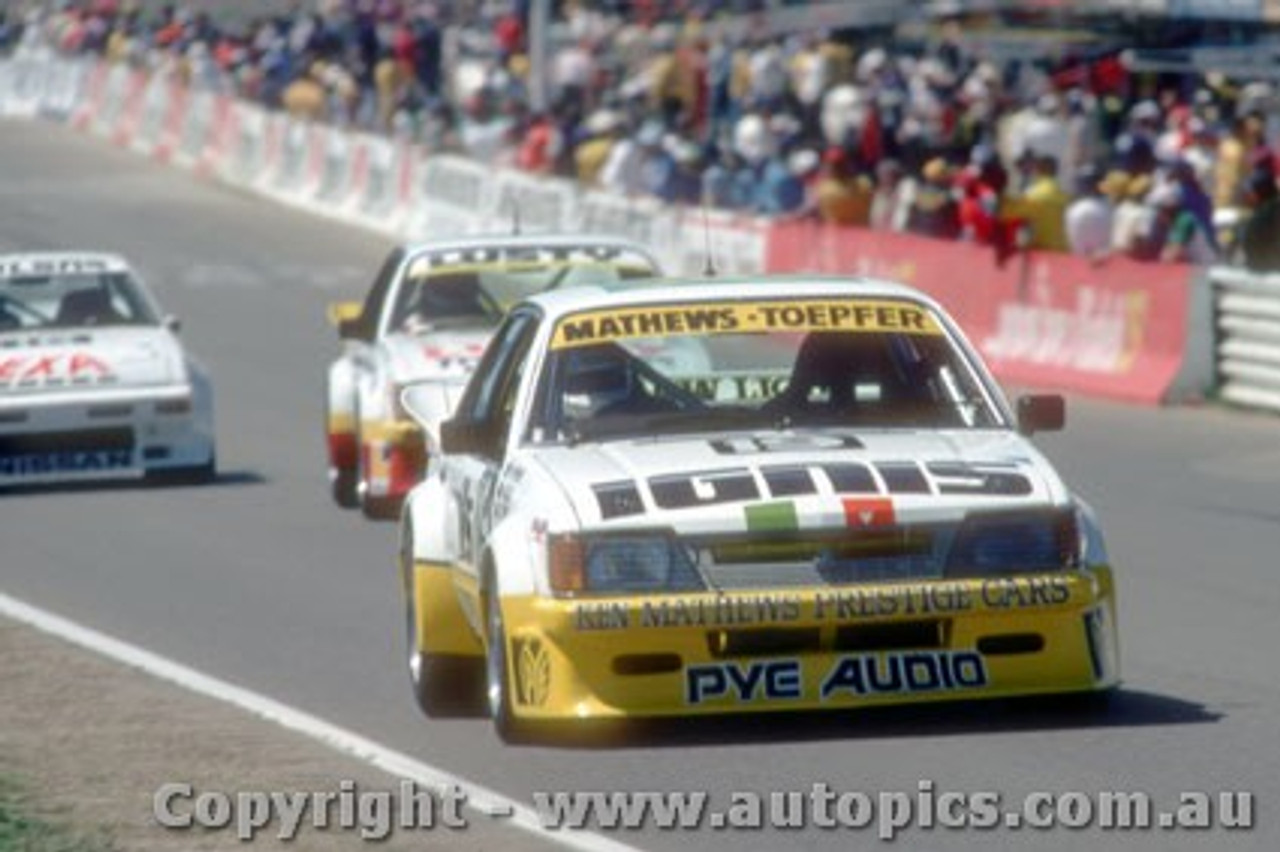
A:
(78, 440)
(897, 555)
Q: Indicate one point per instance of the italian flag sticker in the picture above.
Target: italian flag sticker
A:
(868, 512)
(772, 517)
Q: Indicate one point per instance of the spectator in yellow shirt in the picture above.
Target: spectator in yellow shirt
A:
(1042, 206)
(589, 157)
(841, 196)
(306, 97)
(1234, 152)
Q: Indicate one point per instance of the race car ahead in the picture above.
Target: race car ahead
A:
(427, 318)
(93, 382)
(840, 510)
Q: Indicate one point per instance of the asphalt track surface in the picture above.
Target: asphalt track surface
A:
(259, 580)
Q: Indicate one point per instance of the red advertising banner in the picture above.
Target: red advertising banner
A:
(1116, 329)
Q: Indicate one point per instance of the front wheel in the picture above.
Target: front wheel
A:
(497, 680)
(342, 485)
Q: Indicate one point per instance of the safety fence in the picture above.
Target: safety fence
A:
(1247, 337)
(1147, 333)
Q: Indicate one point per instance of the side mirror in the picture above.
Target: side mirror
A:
(172, 323)
(429, 402)
(344, 316)
(1041, 413)
(468, 437)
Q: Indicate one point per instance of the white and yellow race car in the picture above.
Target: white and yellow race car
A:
(834, 507)
(427, 318)
(94, 380)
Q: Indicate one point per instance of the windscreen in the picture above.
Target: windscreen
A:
(443, 291)
(59, 300)
(823, 362)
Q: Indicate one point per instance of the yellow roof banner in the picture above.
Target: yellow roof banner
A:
(848, 315)
(423, 268)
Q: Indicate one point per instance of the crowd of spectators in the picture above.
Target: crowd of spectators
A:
(667, 102)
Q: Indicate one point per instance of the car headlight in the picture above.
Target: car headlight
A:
(619, 563)
(1003, 543)
(177, 405)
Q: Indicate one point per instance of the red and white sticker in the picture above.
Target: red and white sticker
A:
(76, 365)
(868, 512)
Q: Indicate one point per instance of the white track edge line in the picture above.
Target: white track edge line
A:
(479, 798)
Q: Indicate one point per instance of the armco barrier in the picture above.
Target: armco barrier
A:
(1247, 313)
(156, 104)
(1122, 329)
(336, 174)
(63, 83)
(247, 149)
(645, 220)
(738, 245)
(289, 171)
(540, 204)
(89, 99)
(454, 198)
(33, 83)
(380, 194)
(221, 138)
(22, 86)
(110, 105)
(129, 121)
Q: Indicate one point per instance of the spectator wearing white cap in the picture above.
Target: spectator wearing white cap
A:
(893, 197)
(1133, 216)
(1135, 147)
(753, 140)
(621, 173)
(601, 128)
(1089, 219)
(1201, 152)
(572, 70)
(1044, 132)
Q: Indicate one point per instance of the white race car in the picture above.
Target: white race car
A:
(840, 510)
(93, 381)
(427, 318)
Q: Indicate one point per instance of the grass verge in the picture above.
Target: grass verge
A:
(24, 829)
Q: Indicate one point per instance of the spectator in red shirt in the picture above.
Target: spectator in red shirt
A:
(982, 186)
(508, 31)
(540, 146)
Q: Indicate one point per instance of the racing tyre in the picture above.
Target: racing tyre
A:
(343, 480)
(509, 728)
(342, 484)
(198, 474)
(443, 685)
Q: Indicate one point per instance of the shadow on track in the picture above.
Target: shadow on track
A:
(1126, 708)
(223, 479)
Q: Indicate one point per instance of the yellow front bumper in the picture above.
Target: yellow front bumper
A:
(677, 655)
